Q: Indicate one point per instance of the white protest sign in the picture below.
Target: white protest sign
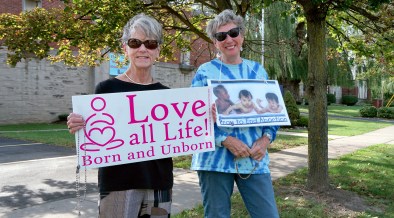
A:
(244, 103)
(132, 127)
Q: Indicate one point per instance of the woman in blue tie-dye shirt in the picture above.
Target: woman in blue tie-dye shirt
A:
(241, 153)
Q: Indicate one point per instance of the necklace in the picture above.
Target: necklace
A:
(247, 176)
(144, 84)
(78, 174)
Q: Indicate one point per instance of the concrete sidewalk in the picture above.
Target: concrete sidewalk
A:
(186, 192)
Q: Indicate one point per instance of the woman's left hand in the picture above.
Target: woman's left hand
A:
(213, 111)
(259, 148)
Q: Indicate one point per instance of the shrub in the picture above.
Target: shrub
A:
(62, 117)
(291, 107)
(303, 121)
(331, 99)
(349, 100)
(385, 112)
(306, 102)
(368, 111)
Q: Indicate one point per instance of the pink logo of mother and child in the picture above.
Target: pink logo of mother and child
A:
(98, 129)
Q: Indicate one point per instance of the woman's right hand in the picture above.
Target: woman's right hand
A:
(236, 147)
(75, 122)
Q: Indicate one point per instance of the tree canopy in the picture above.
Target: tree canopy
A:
(84, 31)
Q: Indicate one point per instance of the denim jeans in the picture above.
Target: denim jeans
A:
(256, 191)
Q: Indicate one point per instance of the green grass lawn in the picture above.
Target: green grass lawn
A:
(33, 126)
(338, 110)
(55, 134)
(54, 137)
(365, 174)
(343, 126)
(343, 110)
(287, 141)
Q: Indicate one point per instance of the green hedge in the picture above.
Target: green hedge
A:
(331, 99)
(349, 100)
(385, 112)
(291, 107)
(368, 111)
(303, 121)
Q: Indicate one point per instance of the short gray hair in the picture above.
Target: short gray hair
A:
(225, 17)
(148, 25)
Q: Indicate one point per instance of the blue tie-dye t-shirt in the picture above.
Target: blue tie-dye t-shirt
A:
(222, 160)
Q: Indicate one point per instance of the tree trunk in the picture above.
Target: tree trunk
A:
(316, 90)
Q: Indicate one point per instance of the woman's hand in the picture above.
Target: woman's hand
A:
(259, 148)
(237, 147)
(75, 122)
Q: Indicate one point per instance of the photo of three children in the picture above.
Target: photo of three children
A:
(245, 99)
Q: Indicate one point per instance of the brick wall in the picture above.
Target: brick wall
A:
(171, 75)
(52, 4)
(13, 7)
(16, 6)
(38, 91)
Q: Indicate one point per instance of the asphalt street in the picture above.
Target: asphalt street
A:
(35, 173)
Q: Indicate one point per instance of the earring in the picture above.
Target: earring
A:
(218, 54)
(241, 49)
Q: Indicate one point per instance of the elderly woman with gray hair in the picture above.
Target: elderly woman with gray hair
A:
(241, 152)
(142, 189)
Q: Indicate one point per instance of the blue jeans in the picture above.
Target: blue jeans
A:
(256, 191)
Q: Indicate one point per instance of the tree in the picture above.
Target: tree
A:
(83, 32)
(316, 12)
(86, 30)
(368, 42)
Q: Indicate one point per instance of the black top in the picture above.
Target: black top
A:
(152, 174)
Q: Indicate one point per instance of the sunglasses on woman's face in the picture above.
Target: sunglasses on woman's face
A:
(149, 44)
(234, 32)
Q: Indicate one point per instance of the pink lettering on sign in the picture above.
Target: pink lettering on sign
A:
(184, 148)
(88, 160)
(160, 112)
(98, 129)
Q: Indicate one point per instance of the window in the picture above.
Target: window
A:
(185, 57)
(31, 4)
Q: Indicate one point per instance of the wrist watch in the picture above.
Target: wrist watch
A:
(268, 135)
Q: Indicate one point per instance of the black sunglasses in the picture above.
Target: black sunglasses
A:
(234, 32)
(149, 44)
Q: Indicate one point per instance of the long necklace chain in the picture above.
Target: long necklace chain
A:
(78, 176)
(144, 84)
(247, 176)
